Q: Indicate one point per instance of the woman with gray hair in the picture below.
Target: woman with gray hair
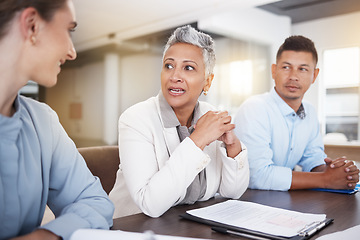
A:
(175, 149)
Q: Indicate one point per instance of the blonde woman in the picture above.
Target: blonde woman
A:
(39, 164)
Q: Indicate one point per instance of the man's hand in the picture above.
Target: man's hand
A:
(335, 174)
(349, 167)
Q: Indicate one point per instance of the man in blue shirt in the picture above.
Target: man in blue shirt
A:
(281, 131)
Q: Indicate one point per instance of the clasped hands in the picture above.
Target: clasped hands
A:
(341, 173)
(215, 125)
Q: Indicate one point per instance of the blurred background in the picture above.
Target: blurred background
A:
(120, 43)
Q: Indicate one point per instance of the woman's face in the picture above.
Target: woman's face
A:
(53, 46)
(183, 76)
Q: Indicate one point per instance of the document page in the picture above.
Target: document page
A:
(257, 217)
(350, 233)
(96, 234)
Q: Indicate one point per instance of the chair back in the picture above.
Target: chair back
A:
(103, 162)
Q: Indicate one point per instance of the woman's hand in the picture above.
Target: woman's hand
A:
(216, 126)
(211, 126)
(232, 143)
(37, 235)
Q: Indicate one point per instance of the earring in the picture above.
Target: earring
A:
(205, 92)
(33, 40)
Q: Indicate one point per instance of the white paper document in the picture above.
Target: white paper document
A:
(257, 217)
(96, 234)
(350, 233)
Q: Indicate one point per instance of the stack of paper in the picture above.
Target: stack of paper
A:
(259, 218)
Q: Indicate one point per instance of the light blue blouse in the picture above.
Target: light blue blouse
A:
(277, 140)
(39, 165)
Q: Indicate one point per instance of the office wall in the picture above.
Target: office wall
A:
(327, 33)
(334, 32)
(83, 85)
(252, 24)
(139, 79)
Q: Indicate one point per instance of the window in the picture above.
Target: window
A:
(242, 70)
(241, 85)
(341, 79)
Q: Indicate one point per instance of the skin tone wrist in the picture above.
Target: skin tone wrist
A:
(198, 140)
(39, 234)
(233, 149)
(304, 180)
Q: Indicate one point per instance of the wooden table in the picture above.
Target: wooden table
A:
(344, 209)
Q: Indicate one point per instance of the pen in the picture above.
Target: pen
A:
(317, 228)
(226, 231)
(314, 227)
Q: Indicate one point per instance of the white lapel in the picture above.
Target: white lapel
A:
(170, 135)
(171, 139)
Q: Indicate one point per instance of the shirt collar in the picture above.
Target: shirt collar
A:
(168, 115)
(301, 112)
(16, 105)
(285, 109)
(10, 126)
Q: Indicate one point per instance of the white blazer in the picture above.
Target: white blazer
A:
(157, 169)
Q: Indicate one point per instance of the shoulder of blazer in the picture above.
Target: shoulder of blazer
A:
(142, 113)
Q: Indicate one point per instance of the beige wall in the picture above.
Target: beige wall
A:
(139, 80)
(80, 85)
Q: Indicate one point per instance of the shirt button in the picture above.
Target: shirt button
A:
(293, 114)
(240, 164)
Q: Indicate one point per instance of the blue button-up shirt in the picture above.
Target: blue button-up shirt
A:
(277, 140)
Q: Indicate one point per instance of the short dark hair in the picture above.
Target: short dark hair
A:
(8, 9)
(298, 43)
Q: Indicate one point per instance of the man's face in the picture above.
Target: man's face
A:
(294, 72)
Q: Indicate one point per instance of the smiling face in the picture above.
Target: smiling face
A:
(294, 72)
(53, 46)
(183, 76)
